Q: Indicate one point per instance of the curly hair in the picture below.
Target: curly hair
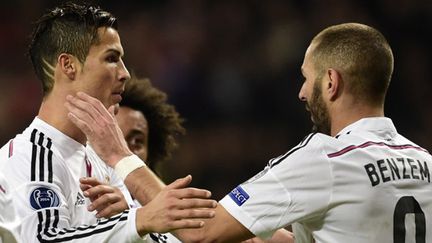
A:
(69, 28)
(164, 122)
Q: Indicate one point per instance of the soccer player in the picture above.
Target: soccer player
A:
(355, 179)
(150, 126)
(77, 48)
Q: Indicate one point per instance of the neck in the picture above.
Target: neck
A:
(352, 114)
(53, 112)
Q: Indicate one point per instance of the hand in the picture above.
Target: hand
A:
(280, 236)
(100, 127)
(106, 200)
(176, 207)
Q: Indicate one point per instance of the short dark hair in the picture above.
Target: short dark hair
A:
(69, 28)
(164, 122)
(362, 55)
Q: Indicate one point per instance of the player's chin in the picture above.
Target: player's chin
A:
(115, 99)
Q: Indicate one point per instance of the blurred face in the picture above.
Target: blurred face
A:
(311, 93)
(135, 129)
(103, 74)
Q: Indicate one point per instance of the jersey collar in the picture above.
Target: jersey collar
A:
(382, 126)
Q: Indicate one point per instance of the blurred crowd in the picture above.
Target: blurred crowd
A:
(232, 69)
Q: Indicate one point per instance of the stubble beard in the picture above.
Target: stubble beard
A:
(319, 111)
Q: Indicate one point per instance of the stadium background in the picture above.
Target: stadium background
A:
(232, 69)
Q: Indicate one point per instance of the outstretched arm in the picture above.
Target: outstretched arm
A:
(104, 135)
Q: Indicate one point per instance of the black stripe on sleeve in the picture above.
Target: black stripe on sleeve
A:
(41, 157)
(33, 158)
(302, 144)
(43, 144)
(39, 228)
(48, 234)
(50, 154)
(56, 218)
(47, 221)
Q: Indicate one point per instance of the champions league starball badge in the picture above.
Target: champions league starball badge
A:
(44, 197)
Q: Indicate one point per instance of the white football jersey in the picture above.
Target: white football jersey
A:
(111, 178)
(367, 184)
(9, 223)
(43, 167)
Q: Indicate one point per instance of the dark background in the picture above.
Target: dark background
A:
(232, 69)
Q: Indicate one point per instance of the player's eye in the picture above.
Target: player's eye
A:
(302, 79)
(112, 58)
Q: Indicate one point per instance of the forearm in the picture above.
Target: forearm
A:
(143, 184)
(221, 228)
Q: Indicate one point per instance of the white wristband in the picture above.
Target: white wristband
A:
(128, 164)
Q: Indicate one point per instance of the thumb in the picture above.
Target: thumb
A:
(180, 183)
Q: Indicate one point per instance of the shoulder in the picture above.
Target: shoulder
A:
(314, 147)
(16, 153)
(30, 156)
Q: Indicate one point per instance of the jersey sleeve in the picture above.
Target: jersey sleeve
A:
(43, 196)
(9, 223)
(293, 187)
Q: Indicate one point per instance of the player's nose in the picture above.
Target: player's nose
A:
(124, 74)
(302, 93)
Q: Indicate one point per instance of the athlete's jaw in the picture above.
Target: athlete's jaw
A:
(116, 95)
(319, 112)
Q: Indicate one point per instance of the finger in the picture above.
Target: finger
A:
(96, 191)
(90, 181)
(81, 115)
(111, 210)
(196, 203)
(84, 108)
(193, 214)
(190, 192)
(180, 183)
(187, 224)
(80, 123)
(103, 201)
(95, 103)
(85, 187)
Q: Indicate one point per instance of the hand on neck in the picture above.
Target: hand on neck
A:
(53, 112)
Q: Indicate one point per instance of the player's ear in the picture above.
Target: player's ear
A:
(68, 65)
(334, 85)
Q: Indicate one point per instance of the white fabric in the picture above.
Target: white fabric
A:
(43, 171)
(128, 164)
(341, 189)
(114, 180)
(9, 223)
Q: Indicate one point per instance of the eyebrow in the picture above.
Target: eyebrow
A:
(135, 131)
(117, 52)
